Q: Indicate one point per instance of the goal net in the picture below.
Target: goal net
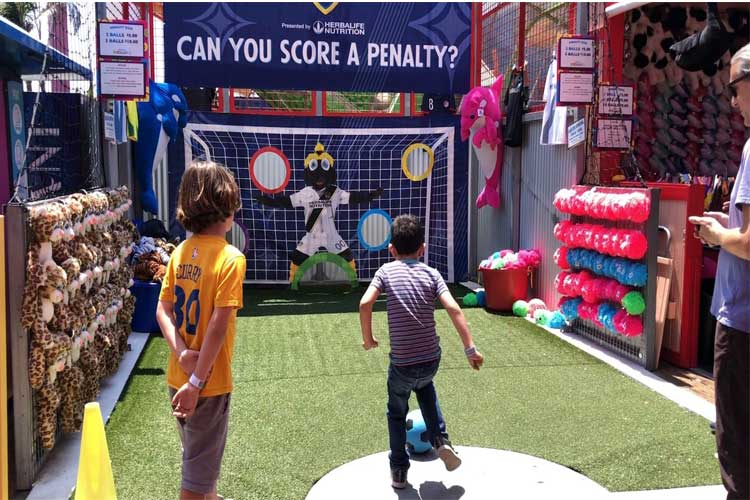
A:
(413, 166)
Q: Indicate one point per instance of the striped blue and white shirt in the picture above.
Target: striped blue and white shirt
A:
(411, 288)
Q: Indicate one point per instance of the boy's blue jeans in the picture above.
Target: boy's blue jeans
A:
(401, 381)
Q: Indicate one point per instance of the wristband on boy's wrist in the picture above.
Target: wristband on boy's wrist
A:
(470, 351)
(196, 382)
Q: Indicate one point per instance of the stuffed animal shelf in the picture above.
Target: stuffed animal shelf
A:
(76, 307)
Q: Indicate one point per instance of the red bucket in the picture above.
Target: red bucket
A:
(505, 286)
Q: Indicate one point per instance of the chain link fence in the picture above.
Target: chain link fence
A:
(60, 111)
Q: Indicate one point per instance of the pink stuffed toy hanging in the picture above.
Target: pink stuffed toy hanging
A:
(481, 119)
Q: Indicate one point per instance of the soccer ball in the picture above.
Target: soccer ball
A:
(417, 437)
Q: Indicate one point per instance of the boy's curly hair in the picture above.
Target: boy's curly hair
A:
(208, 194)
(407, 234)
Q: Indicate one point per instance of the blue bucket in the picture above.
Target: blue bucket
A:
(146, 295)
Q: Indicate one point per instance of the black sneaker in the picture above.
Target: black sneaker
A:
(447, 453)
(398, 478)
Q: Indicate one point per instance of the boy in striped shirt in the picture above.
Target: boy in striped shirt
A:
(412, 288)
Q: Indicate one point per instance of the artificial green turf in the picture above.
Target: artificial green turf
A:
(308, 398)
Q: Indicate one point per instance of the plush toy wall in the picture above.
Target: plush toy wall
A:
(603, 273)
(685, 124)
(76, 305)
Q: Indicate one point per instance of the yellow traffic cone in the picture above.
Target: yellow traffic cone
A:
(95, 480)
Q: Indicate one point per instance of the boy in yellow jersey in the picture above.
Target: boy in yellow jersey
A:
(197, 310)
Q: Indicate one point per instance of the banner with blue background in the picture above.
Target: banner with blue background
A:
(388, 46)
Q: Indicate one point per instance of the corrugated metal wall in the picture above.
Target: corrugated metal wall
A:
(491, 228)
(544, 171)
(531, 176)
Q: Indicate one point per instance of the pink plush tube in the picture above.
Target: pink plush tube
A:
(590, 287)
(616, 242)
(634, 206)
(561, 258)
(630, 326)
(589, 312)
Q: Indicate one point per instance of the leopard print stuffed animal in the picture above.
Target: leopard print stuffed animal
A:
(35, 279)
(37, 365)
(47, 402)
(44, 223)
(57, 353)
(90, 365)
(71, 407)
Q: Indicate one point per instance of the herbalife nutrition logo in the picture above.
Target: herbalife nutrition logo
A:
(338, 28)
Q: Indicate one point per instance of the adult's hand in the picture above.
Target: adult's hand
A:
(721, 217)
(709, 230)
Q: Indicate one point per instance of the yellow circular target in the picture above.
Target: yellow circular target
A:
(417, 161)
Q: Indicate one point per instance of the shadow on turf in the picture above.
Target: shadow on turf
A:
(281, 301)
(148, 371)
(433, 490)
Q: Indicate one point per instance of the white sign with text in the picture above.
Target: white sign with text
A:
(613, 133)
(120, 40)
(576, 53)
(109, 126)
(576, 88)
(122, 79)
(615, 100)
(576, 133)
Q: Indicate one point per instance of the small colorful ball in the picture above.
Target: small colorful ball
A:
(542, 316)
(634, 303)
(557, 320)
(481, 297)
(521, 308)
(470, 299)
(535, 304)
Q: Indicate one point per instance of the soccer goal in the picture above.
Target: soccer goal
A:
(413, 166)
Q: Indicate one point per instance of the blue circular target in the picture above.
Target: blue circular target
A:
(374, 229)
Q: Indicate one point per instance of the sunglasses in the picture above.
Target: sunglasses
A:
(733, 84)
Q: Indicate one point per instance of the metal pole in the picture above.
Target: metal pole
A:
(318, 98)
(649, 315)
(23, 414)
(4, 479)
(226, 96)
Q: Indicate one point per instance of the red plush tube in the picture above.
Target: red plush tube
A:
(628, 325)
(616, 242)
(634, 206)
(591, 288)
(589, 312)
(561, 258)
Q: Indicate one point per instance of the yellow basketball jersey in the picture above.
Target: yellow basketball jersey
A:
(204, 272)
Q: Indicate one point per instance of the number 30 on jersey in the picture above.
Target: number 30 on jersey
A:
(187, 310)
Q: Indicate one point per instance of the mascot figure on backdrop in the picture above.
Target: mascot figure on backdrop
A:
(320, 197)
(481, 119)
(159, 121)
